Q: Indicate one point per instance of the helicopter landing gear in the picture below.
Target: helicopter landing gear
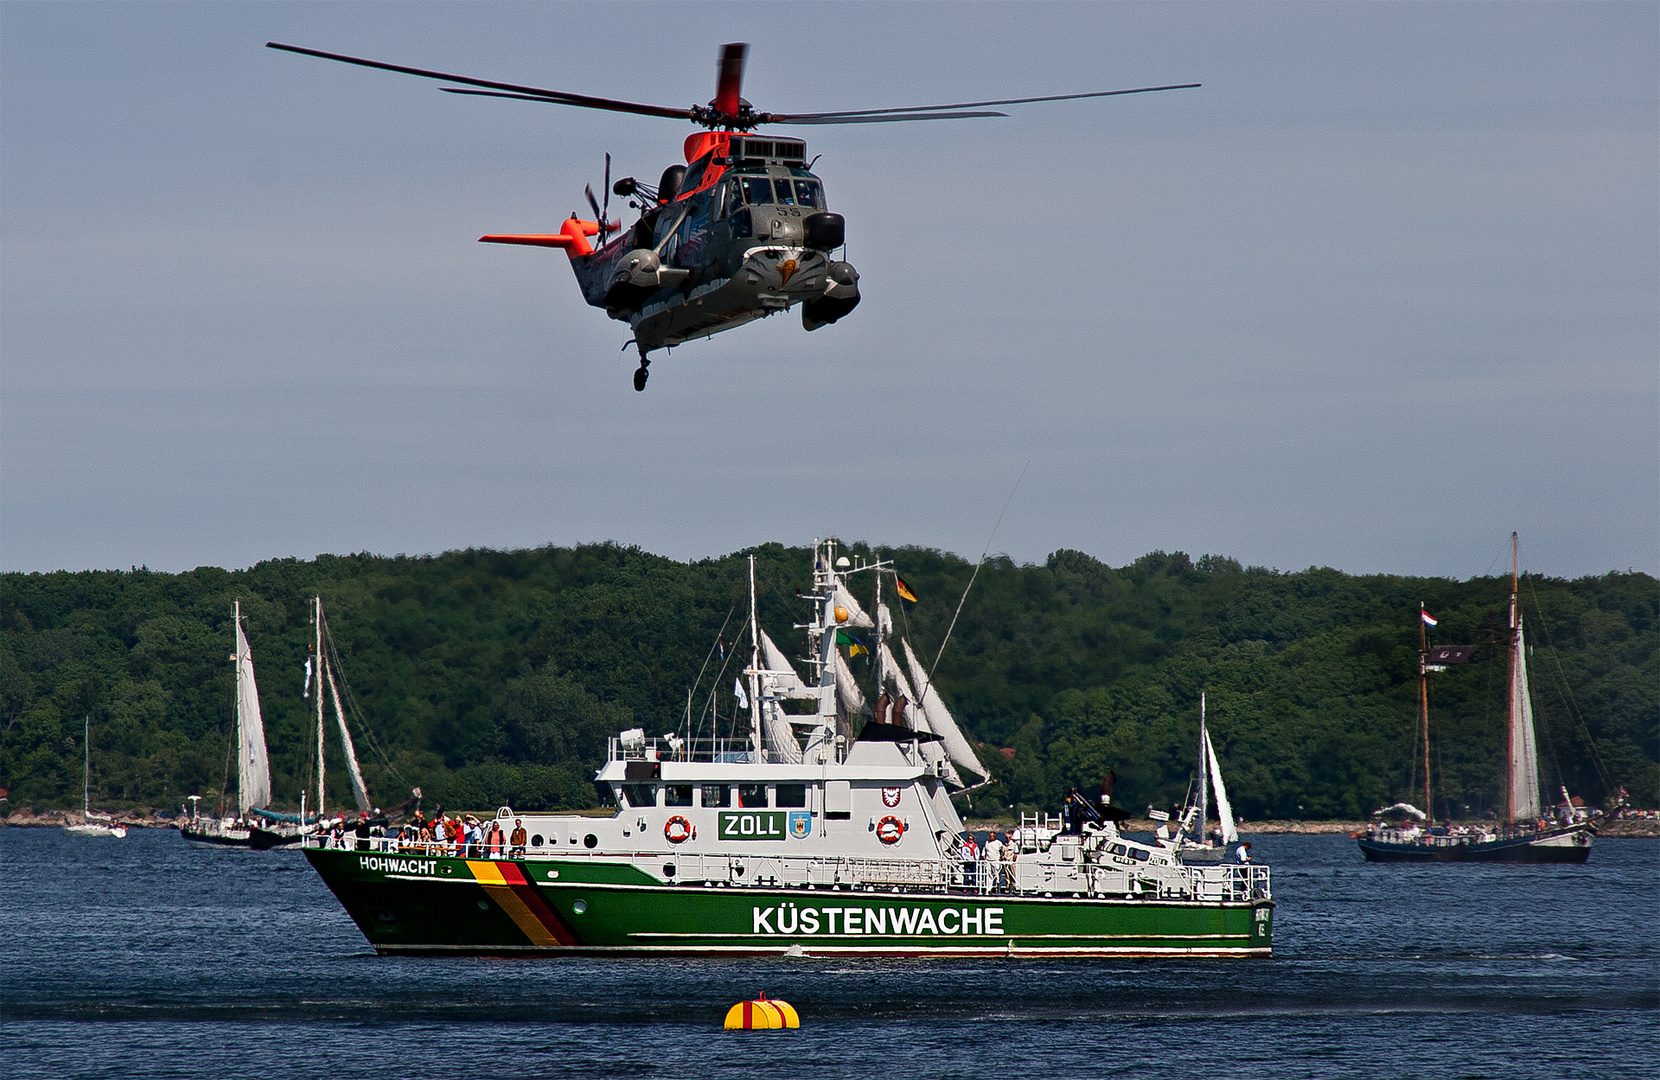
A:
(641, 374)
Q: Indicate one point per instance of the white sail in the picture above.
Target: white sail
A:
(1224, 812)
(916, 718)
(359, 792)
(855, 614)
(1524, 754)
(780, 680)
(253, 771)
(848, 694)
(780, 676)
(957, 747)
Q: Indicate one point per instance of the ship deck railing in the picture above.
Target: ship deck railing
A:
(674, 748)
(1227, 883)
(1233, 882)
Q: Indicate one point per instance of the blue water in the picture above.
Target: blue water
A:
(145, 957)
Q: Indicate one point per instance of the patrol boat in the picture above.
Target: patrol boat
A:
(824, 832)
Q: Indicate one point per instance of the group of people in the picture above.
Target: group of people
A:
(464, 836)
(992, 861)
(446, 834)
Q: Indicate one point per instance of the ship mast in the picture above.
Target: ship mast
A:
(1423, 700)
(1510, 699)
(1204, 777)
(317, 621)
(754, 668)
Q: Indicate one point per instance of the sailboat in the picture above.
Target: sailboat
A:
(253, 770)
(1525, 835)
(93, 824)
(1191, 840)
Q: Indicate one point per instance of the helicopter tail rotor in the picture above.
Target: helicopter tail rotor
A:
(600, 211)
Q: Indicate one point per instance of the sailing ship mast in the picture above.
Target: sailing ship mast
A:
(1423, 700)
(253, 770)
(1521, 750)
(325, 677)
(1204, 772)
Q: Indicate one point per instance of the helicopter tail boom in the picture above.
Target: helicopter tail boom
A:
(573, 237)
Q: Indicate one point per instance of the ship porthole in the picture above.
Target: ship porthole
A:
(590, 841)
(536, 841)
(579, 906)
(484, 905)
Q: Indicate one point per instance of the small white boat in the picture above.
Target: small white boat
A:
(1190, 839)
(93, 824)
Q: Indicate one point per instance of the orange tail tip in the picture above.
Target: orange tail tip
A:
(573, 237)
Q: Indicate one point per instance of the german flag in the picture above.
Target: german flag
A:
(904, 589)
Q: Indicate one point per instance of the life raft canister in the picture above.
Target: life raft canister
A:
(890, 829)
(678, 830)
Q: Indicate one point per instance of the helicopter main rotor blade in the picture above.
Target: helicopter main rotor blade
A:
(831, 117)
(729, 77)
(530, 93)
(835, 119)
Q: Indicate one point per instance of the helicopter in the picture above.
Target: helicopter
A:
(740, 232)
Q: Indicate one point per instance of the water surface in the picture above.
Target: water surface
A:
(146, 957)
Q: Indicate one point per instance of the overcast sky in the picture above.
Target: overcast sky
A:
(1383, 290)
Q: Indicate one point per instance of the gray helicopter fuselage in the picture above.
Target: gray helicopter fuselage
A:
(749, 237)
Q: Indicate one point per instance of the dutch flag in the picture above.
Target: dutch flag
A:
(1429, 620)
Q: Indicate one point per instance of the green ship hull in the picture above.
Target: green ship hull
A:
(425, 904)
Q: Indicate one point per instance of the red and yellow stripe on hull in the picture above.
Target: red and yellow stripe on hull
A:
(506, 884)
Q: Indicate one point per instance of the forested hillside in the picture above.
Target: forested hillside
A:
(495, 676)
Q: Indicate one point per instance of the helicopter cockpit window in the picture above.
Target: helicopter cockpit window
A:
(694, 175)
(757, 190)
(786, 192)
(807, 193)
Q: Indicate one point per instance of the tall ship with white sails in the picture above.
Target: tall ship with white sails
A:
(827, 828)
(1525, 833)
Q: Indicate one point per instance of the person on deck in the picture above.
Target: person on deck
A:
(1011, 852)
(1243, 852)
(992, 855)
(495, 841)
(519, 839)
(362, 831)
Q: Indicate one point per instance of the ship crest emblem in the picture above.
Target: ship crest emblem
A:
(801, 824)
(890, 796)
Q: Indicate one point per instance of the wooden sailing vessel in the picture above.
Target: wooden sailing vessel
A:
(1526, 834)
(253, 769)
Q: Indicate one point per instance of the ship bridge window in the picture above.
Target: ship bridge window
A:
(791, 795)
(717, 795)
(640, 794)
(751, 796)
(757, 190)
(677, 795)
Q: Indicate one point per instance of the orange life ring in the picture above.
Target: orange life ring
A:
(678, 830)
(889, 830)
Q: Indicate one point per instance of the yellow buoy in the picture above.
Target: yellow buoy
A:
(761, 1015)
(841, 614)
